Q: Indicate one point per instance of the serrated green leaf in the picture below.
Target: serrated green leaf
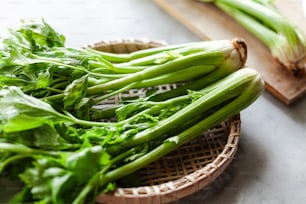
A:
(60, 185)
(75, 91)
(85, 163)
(41, 35)
(22, 112)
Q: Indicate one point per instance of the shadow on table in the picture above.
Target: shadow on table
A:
(296, 111)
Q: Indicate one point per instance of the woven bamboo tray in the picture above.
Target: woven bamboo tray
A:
(185, 170)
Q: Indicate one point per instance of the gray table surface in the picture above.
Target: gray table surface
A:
(270, 165)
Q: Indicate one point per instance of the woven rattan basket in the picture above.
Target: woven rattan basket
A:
(184, 171)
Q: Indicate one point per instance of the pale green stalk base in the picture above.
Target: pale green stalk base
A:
(285, 41)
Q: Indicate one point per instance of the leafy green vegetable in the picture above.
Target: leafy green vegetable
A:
(22, 112)
(109, 151)
(49, 95)
(286, 42)
(35, 59)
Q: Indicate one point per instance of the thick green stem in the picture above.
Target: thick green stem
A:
(125, 57)
(54, 90)
(143, 53)
(266, 35)
(169, 55)
(178, 64)
(178, 76)
(252, 90)
(113, 93)
(231, 55)
(128, 69)
(157, 106)
(286, 41)
(219, 92)
(214, 55)
(111, 57)
(258, 11)
(116, 68)
(232, 63)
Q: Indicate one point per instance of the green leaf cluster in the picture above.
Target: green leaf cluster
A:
(73, 143)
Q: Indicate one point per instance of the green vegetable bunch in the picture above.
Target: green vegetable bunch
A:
(285, 41)
(35, 59)
(66, 147)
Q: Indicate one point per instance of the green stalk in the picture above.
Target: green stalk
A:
(79, 68)
(157, 106)
(126, 57)
(57, 80)
(214, 54)
(111, 57)
(157, 70)
(232, 63)
(60, 85)
(210, 57)
(285, 41)
(195, 85)
(124, 69)
(252, 90)
(116, 68)
(93, 81)
(108, 112)
(113, 93)
(265, 34)
(151, 51)
(222, 91)
(148, 73)
(229, 56)
(54, 90)
(178, 76)
(168, 55)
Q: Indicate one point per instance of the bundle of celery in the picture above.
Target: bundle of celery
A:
(285, 41)
(64, 157)
(35, 59)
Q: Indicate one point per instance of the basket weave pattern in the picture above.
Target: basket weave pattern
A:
(183, 171)
(125, 45)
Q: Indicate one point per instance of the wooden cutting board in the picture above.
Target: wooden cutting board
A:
(208, 22)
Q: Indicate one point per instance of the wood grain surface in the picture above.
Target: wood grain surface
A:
(209, 22)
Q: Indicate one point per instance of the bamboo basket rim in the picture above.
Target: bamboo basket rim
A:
(168, 189)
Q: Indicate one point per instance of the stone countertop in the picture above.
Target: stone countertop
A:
(269, 166)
